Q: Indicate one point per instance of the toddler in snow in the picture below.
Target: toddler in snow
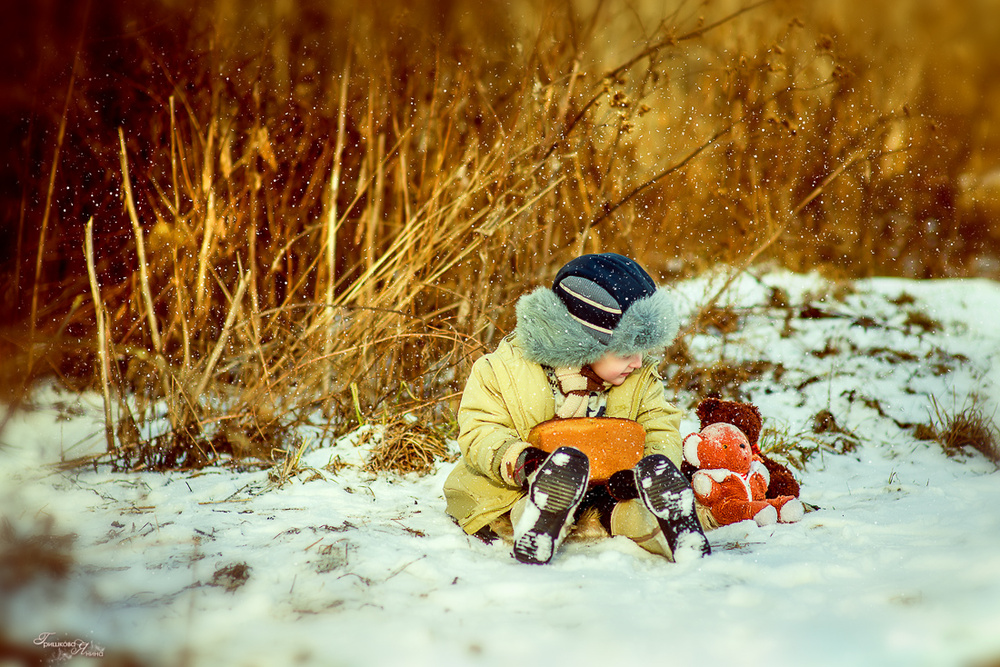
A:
(579, 349)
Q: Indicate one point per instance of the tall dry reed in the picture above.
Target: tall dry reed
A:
(329, 208)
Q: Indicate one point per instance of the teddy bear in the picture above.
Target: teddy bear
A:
(746, 417)
(730, 482)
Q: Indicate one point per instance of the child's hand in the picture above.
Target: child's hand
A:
(527, 463)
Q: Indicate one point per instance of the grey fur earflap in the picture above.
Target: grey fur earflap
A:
(551, 336)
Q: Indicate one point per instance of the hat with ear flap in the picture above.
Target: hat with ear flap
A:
(599, 304)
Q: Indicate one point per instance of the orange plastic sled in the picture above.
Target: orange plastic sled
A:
(610, 444)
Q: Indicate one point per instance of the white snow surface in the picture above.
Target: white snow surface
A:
(899, 565)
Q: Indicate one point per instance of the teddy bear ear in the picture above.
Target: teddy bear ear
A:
(705, 409)
(690, 447)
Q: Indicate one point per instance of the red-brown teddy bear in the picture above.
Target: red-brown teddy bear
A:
(731, 482)
(746, 417)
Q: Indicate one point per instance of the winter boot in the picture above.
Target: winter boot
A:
(667, 494)
(554, 493)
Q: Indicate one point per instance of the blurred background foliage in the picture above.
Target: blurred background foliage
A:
(334, 205)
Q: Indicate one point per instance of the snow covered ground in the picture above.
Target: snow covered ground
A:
(900, 565)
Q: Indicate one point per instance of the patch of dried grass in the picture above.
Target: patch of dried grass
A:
(831, 434)
(963, 430)
(785, 447)
(403, 446)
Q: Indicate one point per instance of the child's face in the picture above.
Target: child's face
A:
(614, 369)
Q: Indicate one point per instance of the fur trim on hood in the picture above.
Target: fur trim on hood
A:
(550, 335)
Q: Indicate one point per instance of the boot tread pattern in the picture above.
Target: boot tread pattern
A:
(668, 495)
(553, 495)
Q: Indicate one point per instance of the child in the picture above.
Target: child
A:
(578, 350)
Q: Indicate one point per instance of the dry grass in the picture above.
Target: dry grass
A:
(300, 207)
(797, 449)
(406, 447)
(963, 430)
(788, 448)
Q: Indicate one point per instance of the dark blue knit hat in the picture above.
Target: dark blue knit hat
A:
(598, 289)
(598, 304)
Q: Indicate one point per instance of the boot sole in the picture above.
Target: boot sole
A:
(558, 488)
(668, 495)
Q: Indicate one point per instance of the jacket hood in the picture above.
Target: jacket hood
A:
(550, 335)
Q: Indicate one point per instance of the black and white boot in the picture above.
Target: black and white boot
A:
(554, 493)
(666, 492)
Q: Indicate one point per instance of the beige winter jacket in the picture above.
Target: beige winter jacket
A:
(505, 396)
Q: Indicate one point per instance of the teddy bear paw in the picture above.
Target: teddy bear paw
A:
(766, 516)
(791, 511)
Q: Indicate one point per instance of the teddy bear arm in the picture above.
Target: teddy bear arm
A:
(706, 489)
(712, 486)
(758, 487)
